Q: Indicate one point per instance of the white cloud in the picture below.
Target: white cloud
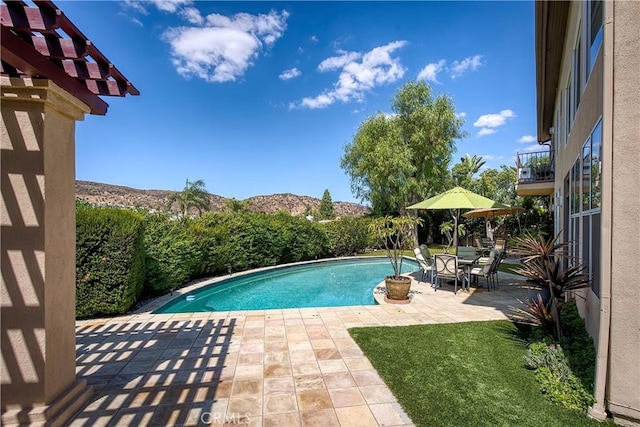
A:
(488, 157)
(314, 39)
(171, 6)
(224, 47)
(300, 49)
(430, 71)
(290, 74)
(458, 68)
(215, 48)
(136, 6)
(526, 139)
(359, 73)
(192, 15)
(336, 62)
(461, 115)
(490, 122)
(486, 131)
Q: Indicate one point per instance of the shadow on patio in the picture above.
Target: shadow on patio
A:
(477, 304)
(157, 373)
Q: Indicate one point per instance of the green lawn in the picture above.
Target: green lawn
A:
(508, 268)
(463, 374)
(433, 249)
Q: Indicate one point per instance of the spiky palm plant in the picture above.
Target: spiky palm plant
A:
(542, 265)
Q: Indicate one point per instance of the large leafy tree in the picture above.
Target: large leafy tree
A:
(194, 195)
(399, 159)
(326, 207)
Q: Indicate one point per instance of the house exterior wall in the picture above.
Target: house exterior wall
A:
(587, 115)
(611, 94)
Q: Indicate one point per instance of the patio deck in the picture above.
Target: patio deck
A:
(290, 367)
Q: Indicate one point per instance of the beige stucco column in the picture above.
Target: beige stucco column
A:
(37, 296)
(624, 365)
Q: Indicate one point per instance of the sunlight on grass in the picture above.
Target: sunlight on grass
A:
(462, 374)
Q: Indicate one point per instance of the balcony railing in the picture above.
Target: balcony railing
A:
(535, 167)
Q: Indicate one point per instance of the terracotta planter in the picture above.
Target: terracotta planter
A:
(398, 289)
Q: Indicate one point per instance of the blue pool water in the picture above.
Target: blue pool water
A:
(322, 284)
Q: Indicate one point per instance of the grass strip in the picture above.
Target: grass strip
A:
(462, 374)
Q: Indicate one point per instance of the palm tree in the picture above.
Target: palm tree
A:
(193, 195)
(235, 205)
(471, 166)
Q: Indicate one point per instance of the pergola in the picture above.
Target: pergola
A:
(51, 76)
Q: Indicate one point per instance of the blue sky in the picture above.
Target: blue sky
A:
(261, 97)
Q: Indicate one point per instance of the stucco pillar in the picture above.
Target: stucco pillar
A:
(37, 296)
(624, 367)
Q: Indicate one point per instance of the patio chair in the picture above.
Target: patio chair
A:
(499, 258)
(426, 264)
(486, 270)
(468, 252)
(425, 252)
(447, 269)
(485, 259)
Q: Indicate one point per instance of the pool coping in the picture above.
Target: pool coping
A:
(151, 306)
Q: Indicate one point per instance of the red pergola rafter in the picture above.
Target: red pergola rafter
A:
(42, 42)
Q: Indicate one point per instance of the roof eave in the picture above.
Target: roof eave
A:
(550, 29)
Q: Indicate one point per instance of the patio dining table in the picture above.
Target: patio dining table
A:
(467, 264)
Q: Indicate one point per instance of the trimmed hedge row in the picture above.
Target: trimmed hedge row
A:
(123, 255)
(110, 268)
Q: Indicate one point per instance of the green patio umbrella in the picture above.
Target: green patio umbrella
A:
(457, 198)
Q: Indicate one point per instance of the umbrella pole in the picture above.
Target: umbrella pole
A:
(455, 229)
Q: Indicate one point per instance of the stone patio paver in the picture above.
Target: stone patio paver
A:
(289, 367)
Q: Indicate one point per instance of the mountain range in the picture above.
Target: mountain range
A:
(157, 200)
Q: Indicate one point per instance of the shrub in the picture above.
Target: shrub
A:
(109, 260)
(172, 255)
(556, 378)
(348, 236)
(565, 367)
(577, 344)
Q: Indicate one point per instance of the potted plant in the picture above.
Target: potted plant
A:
(395, 234)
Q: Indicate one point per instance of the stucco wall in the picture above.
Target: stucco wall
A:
(38, 241)
(589, 112)
(624, 362)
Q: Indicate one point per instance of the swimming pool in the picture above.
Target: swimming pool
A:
(318, 284)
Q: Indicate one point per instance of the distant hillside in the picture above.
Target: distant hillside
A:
(116, 195)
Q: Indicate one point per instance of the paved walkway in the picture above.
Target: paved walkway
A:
(292, 367)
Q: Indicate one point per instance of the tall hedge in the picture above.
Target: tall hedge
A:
(349, 236)
(122, 254)
(110, 267)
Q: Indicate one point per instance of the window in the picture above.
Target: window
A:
(577, 73)
(559, 134)
(596, 167)
(586, 175)
(585, 189)
(568, 111)
(575, 187)
(594, 30)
